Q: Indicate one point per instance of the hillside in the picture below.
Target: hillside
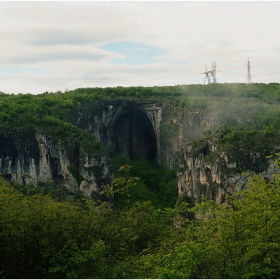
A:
(141, 182)
(68, 138)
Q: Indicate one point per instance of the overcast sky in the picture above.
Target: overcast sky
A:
(51, 46)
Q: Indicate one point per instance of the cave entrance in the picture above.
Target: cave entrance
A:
(135, 134)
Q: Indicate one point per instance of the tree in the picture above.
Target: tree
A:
(44, 238)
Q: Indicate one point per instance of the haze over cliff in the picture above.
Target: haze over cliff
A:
(70, 137)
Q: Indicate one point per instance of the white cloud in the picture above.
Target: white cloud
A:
(60, 42)
(15, 54)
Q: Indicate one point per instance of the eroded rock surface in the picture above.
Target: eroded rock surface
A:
(206, 170)
(30, 157)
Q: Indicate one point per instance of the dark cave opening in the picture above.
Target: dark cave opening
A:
(135, 134)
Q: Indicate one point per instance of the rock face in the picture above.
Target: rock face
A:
(180, 126)
(122, 126)
(125, 126)
(30, 157)
(156, 129)
(152, 128)
(204, 170)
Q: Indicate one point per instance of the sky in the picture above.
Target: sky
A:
(60, 46)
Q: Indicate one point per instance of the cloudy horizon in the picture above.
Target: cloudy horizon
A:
(51, 46)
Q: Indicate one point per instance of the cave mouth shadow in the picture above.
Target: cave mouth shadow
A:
(135, 134)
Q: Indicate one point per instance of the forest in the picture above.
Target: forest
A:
(146, 231)
(55, 111)
(43, 237)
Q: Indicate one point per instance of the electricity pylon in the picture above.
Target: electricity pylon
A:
(207, 73)
(248, 79)
(214, 72)
(210, 73)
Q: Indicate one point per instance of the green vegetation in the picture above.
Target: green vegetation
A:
(157, 183)
(42, 237)
(241, 143)
(254, 106)
(238, 240)
(144, 233)
(57, 113)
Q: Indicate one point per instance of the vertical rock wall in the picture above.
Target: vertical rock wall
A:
(171, 126)
(180, 126)
(204, 170)
(125, 126)
(30, 157)
(157, 130)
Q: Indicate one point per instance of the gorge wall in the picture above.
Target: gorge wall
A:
(125, 127)
(29, 157)
(170, 134)
(159, 130)
(207, 169)
(152, 128)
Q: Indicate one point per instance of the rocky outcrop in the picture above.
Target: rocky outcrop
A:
(28, 156)
(159, 129)
(206, 168)
(179, 126)
(124, 126)
(153, 128)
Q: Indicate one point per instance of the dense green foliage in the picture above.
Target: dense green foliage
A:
(157, 183)
(239, 142)
(57, 112)
(238, 240)
(41, 237)
(144, 234)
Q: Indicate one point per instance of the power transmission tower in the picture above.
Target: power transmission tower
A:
(210, 73)
(214, 72)
(248, 79)
(207, 75)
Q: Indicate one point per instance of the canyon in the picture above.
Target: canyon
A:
(157, 129)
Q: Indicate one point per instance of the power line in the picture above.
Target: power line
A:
(277, 69)
(210, 75)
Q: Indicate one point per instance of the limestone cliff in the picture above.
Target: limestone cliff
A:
(27, 156)
(214, 169)
(154, 128)
(127, 126)
(180, 126)
(157, 128)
